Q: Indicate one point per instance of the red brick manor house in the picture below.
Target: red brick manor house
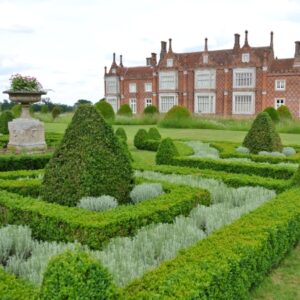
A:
(238, 81)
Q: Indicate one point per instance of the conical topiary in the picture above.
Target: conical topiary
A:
(166, 152)
(153, 134)
(273, 113)
(89, 162)
(284, 113)
(262, 136)
(105, 109)
(140, 138)
(125, 110)
(120, 132)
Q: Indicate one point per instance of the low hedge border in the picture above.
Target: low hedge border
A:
(28, 187)
(13, 288)
(19, 174)
(233, 180)
(272, 171)
(231, 261)
(50, 221)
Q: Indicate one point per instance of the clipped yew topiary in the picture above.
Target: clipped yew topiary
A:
(120, 132)
(105, 109)
(153, 134)
(262, 136)
(150, 110)
(75, 275)
(166, 152)
(125, 110)
(284, 113)
(273, 113)
(5, 117)
(177, 112)
(90, 161)
(140, 138)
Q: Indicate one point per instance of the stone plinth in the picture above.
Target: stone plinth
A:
(26, 135)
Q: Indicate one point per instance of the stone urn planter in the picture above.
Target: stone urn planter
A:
(25, 133)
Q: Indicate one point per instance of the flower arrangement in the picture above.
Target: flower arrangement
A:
(24, 83)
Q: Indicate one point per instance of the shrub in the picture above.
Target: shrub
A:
(166, 152)
(98, 203)
(177, 112)
(5, 117)
(125, 148)
(284, 113)
(242, 149)
(262, 136)
(140, 138)
(153, 134)
(16, 110)
(44, 109)
(146, 191)
(125, 110)
(273, 113)
(105, 109)
(288, 151)
(89, 162)
(75, 275)
(120, 132)
(150, 110)
(55, 112)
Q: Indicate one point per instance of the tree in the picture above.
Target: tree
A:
(44, 109)
(55, 112)
(90, 161)
(81, 102)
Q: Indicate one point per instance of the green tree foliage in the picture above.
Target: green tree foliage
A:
(125, 110)
(81, 102)
(5, 117)
(262, 136)
(150, 110)
(153, 134)
(140, 138)
(44, 109)
(89, 162)
(273, 113)
(284, 113)
(166, 152)
(16, 110)
(75, 275)
(177, 112)
(55, 112)
(105, 109)
(120, 132)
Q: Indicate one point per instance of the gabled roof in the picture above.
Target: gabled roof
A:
(138, 72)
(282, 65)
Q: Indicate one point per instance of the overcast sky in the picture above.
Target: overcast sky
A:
(67, 43)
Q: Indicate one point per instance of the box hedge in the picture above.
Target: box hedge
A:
(166, 152)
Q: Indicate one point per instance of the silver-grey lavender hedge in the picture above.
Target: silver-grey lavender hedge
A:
(203, 150)
(102, 203)
(146, 191)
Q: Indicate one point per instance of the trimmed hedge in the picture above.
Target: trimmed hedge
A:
(229, 262)
(13, 288)
(166, 152)
(24, 162)
(76, 275)
(50, 221)
(150, 110)
(284, 113)
(142, 142)
(5, 117)
(20, 174)
(125, 110)
(177, 112)
(120, 132)
(26, 187)
(105, 109)
(273, 113)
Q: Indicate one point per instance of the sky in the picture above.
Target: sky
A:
(65, 44)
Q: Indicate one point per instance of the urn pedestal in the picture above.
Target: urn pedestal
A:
(25, 133)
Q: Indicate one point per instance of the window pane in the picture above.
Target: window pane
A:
(166, 103)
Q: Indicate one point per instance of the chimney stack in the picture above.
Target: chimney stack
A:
(246, 39)
(153, 59)
(105, 70)
(205, 45)
(297, 55)
(271, 40)
(121, 61)
(114, 58)
(163, 50)
(236, 42)
(170, 45)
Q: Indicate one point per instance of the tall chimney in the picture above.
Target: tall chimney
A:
(205, 45)
(105, 70)
(170, 45)
(114, 58)
(236, 42)
(153, 59)
(271, 39)
(163, 50)
(297, 55)
(121, 61)
(246, 39)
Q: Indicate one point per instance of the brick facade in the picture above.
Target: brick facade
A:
(240, 81)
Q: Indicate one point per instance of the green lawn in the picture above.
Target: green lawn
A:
(284, 282)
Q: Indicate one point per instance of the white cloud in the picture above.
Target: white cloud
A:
(66, 44)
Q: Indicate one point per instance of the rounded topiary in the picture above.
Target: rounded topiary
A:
(262, 135)
(5, 117)
(284, 113)
(273, 113)
(166, 152)
(75, 275)
(177, 112)
(150, 110)
(125, 110)
(153, 134)
(105, 109)
(90, 161)
(140, 138)
(120, 132)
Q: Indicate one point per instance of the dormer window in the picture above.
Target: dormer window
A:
(170, 62)
(205, 58)
(245, 57)
(113, 70)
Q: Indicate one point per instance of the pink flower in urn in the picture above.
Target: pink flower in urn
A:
(24, 83)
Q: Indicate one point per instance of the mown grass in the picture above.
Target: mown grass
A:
(284, 282)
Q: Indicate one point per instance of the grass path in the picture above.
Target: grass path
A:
(284, 282)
